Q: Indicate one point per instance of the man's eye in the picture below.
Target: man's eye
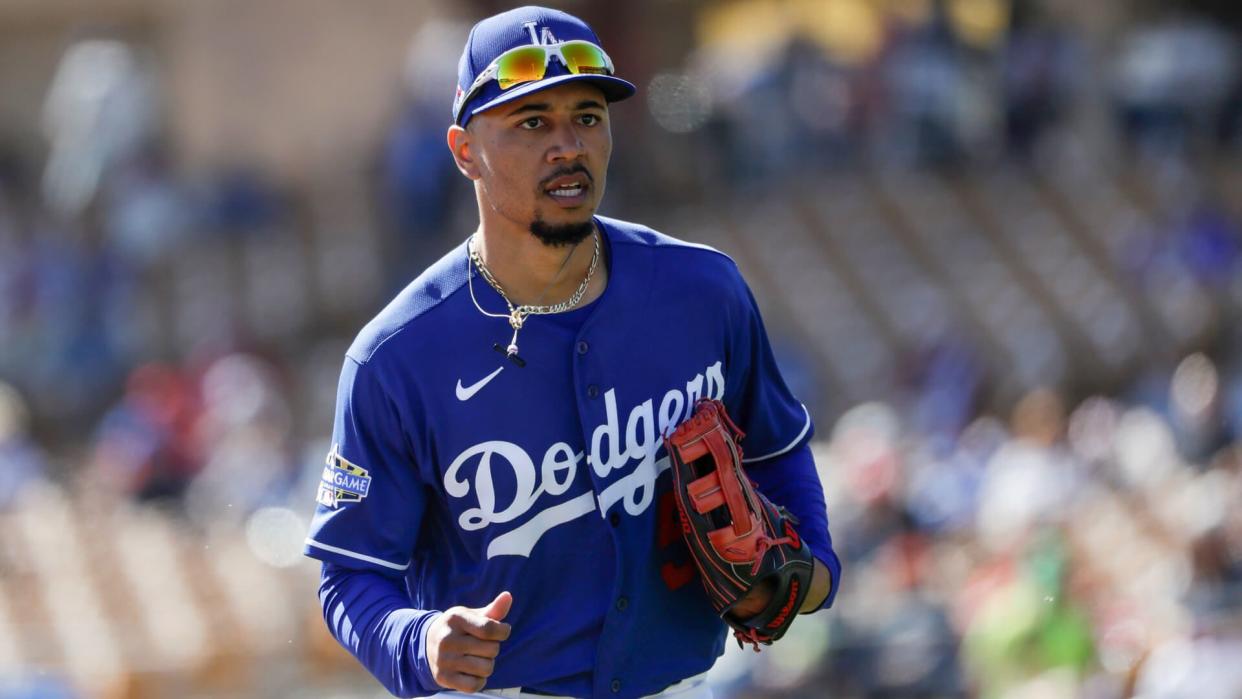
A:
(532, 123)
(589, 120)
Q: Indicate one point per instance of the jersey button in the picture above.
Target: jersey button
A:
(614, 519)
(592, 391)
(615, 686)
(583, 347)
(622, 603)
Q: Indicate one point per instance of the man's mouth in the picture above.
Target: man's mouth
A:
(569, 190)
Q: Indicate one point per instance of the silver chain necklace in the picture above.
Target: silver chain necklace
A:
(517, 314)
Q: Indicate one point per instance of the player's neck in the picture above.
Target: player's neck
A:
(528, 269)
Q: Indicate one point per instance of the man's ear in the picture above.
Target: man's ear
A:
(459, 143)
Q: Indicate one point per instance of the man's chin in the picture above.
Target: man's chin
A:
(560, 235)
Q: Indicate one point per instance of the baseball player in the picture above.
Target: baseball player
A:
(495, 513)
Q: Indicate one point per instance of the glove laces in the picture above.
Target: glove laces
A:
(761, 548)
(750, 636)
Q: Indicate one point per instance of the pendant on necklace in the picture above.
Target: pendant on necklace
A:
(511, 354)
(516, 320)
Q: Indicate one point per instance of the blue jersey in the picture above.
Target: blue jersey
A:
(469, 475)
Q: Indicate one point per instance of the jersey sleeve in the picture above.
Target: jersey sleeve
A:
(756, 395)
(370, 501)
(792, 481)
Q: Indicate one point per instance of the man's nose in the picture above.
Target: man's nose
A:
(568, 144)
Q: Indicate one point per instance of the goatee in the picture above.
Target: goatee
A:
(561, 235)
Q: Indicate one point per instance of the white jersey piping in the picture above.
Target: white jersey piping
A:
(359, 556)
(805, 428)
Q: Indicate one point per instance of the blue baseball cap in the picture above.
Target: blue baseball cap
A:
(522, 27)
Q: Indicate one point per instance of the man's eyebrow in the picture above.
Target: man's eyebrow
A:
(541, 107)
(537, 107)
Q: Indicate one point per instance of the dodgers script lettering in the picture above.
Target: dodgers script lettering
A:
(630, 445)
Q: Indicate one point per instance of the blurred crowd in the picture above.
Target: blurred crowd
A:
(173, 338)
(1089, 549)
(953, 85)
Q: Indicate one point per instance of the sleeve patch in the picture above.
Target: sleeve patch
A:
(343, 482)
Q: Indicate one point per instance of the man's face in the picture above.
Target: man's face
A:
(541, 161)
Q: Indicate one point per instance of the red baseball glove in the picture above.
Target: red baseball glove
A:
(739, 540)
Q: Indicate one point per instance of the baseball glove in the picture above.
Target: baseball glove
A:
(739, 540)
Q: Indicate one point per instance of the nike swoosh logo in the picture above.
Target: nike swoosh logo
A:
(464, 393)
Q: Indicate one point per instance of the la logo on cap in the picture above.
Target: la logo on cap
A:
(544, 36)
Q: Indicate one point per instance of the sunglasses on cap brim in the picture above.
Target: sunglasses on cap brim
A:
(526, 64)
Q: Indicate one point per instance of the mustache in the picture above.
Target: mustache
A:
(566, 171)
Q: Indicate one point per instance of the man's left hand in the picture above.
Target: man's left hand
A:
(757, 599)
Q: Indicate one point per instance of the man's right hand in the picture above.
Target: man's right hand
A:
(462, 644)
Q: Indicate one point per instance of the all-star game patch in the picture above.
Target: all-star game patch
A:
(343, 481)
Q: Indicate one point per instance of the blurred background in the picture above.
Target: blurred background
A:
(997, 244)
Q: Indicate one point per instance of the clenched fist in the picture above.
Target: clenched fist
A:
(462, 644)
